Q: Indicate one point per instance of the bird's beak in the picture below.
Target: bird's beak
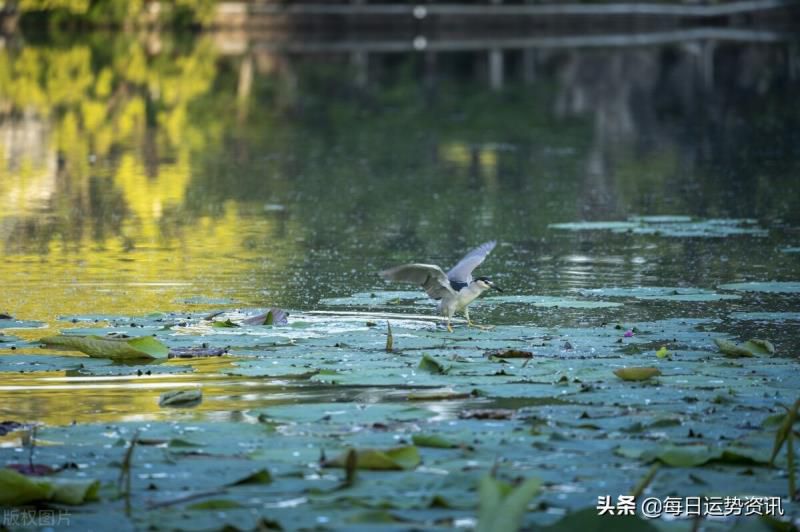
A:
(497, 288)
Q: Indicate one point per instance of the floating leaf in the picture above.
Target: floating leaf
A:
(431, 365)
(787, 287)
(732, 350)
(664, 293)
(196, 352)
(766, 316)
(181, 398)
(688, 456)
(143, 347)
(552, 301)
(594, 226)
(487, 413)
(372, 299)
(262, 476)
(760, 347)
(432, 440)
(663, 352)
(179, 442)
(215, 504)
(439, 501)
(588, 520)
(636, 374)
(670, 226)
(749, 348)
(503, 506)
(396, 458)
(17, 489)
(509, 353)
(220, 324)
(657, 424)
(376, 516)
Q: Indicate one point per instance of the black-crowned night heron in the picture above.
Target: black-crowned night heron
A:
(454, 290)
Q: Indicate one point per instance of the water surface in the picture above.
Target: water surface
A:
(172, 174)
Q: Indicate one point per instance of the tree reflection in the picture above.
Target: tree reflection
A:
(160, 145)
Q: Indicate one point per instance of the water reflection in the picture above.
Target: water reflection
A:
(138, 172)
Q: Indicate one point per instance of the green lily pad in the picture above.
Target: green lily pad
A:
(17, 489)
(431, 365)
(396, 458)
(663, 293)
(778, 287)
(372, 299)
(749, 348)
(732, 350)
(143, 347)
(262, 476)
(551, 301)
(377, 516)
(761, 347)
(595, 226)
(215, 504)
(636, 374)
(697, 455)
(432, 440)
(670, 226)
(766, 316)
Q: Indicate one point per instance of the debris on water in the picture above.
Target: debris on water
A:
(509, 353)
(196, 352)
(8, 426)
(487, 413)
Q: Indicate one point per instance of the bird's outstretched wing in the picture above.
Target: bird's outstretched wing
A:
(462, 272)
(430, 277)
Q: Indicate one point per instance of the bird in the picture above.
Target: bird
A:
(454, 290)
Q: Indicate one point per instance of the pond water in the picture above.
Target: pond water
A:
(146, 183)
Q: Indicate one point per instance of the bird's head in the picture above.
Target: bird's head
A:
(485, 284)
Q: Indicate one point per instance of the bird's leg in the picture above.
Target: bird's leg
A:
(470, 323)
(449, 327)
